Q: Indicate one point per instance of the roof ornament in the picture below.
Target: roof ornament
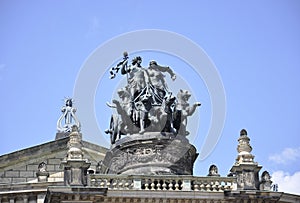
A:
(68, 117)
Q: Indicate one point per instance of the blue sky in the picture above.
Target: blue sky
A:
(253, 44)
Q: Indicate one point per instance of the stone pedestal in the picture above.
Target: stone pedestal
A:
(42, 176)
(151, 153)
(75, 172)
(247, 176)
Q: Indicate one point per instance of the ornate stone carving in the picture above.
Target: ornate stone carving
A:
(75, 166)
(154, 121)
(74, 144)
(146, 104)
(68, 117)
(265, 183)
(245, 169)
(151, 153)
(244, 148)
(42, 173)
(213, 171)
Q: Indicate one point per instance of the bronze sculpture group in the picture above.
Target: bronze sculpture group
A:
(146, 104)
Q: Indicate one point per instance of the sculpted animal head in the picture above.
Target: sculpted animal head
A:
(183, 96)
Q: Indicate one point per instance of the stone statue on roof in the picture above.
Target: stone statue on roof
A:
(68, 117)
(149, 126)
(146, 104)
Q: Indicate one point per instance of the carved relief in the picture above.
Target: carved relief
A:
(162, 154)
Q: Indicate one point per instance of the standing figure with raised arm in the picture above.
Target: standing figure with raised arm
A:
(123, 64)
(136, 76)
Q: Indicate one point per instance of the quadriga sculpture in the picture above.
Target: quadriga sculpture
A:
(146, 104)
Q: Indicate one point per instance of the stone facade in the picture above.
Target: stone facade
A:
(22, 166)
(122, 188)
(137, 168)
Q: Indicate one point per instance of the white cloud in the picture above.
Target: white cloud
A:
(288, 155)
(286, 182)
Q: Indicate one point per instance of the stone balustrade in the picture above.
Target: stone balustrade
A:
(162, 182)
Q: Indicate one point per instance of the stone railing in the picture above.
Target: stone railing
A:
(158, 182)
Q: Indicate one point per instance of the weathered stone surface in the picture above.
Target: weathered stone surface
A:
(151, 153)
(18, 180)
(81, 194)
(12, 174)
(245, 169)
(53, 161)
(27, 174)
(24, 163)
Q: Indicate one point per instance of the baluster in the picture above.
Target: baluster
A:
(208, 187)
(115, 183)
(221, 186)
(196, 186)
(213, 186)
(120, 184)
(152, 184)
(102, 182)
(171, 185)
(164, 185)
(127, 184)
(93, 182)
(202, 187)
(158, 185)
(176, 185)
(146, 184)
(108, 183)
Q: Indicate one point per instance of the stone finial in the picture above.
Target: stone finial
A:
(265, 183)
(75, 166)
(244, 148)
(245, 169)
(74, 144)
(68, 117)
(42, 173)
(243, 132)
(213, 171)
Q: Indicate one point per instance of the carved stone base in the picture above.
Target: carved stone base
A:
(42, 176)
(75, 172)
(151, 153)
(247, 175)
